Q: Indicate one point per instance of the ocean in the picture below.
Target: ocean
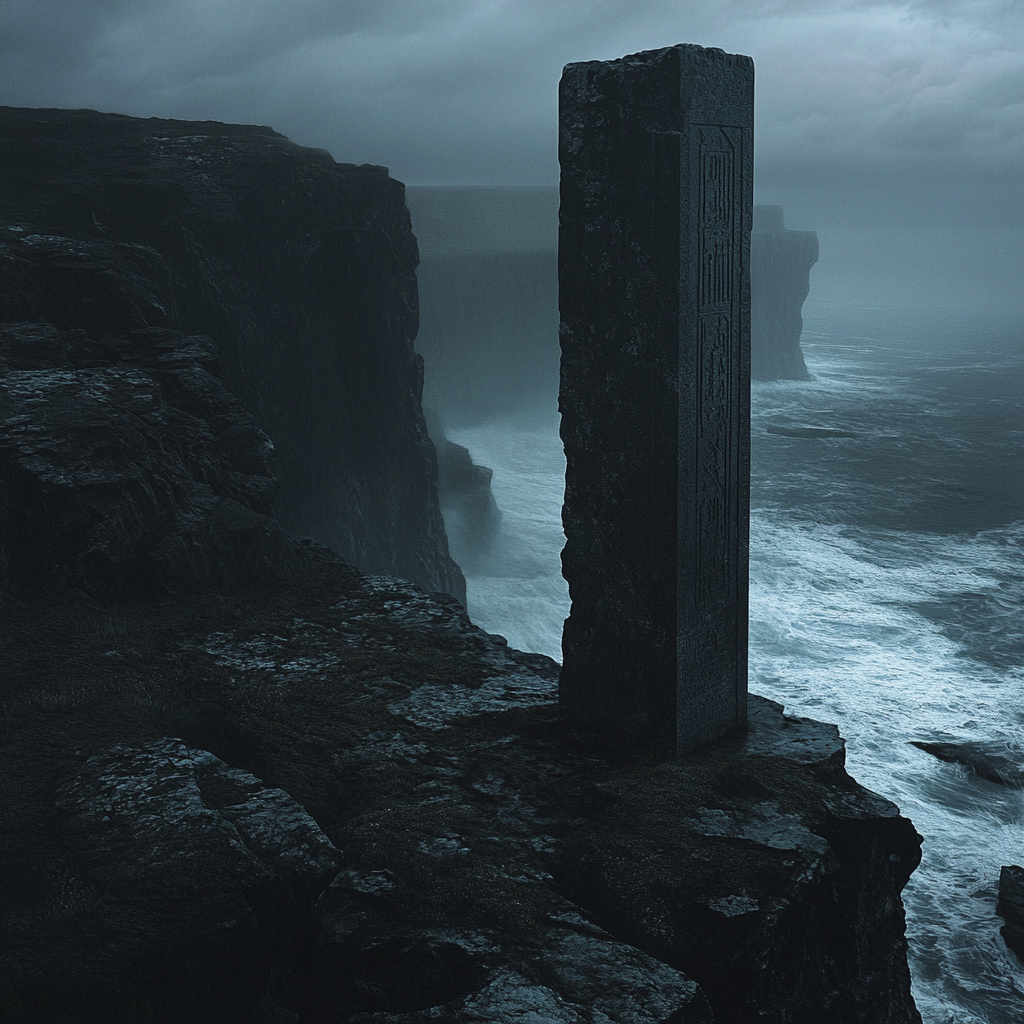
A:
(886, 591)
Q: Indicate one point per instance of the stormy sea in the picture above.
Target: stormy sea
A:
(886, 592)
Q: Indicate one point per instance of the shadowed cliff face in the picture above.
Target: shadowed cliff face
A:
(301, 270)
(488, 298)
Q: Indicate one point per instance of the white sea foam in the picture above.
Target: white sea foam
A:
(887, 596)
(518, 589)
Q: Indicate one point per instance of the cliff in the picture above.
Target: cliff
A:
(489, 298)
(472, 518)
(780, 269)
(243, 781)
(300, 270)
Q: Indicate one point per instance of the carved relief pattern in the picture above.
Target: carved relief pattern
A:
(714, 464)
(717, 249)
(718, 193)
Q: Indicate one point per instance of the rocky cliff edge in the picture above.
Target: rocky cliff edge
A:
(335, 799)
(300, 270)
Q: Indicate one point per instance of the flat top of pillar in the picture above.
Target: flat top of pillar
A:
(690, 52)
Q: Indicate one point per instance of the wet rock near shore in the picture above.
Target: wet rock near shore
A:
(1000, 767)
(1011, 907)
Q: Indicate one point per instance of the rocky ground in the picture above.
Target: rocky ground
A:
(334, 799)
(242, 781)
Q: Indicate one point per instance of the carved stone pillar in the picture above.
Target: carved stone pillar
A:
(656, 154)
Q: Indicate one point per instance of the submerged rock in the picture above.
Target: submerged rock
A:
(1011, 907)
(996, 766)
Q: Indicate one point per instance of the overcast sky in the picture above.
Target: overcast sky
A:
(885, 109)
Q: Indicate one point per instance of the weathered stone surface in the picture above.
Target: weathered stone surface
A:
(301, 270)
(780, 279)
(152, 817)
(128, 468)
(654, 298)
(772, 885)
(496, 867)
(578, 973)
(1011, 906)
(779, 735)
(216, 868)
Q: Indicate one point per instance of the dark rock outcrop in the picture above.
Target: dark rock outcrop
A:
(301, 271)
(493, 864)
(216, 871)
(128, 468)
(780, 268)
(999, 766)
(1011, 907)
(471, 515)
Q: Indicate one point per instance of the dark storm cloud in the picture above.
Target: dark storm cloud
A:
(464, 90)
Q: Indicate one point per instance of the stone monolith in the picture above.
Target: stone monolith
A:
(656, 202)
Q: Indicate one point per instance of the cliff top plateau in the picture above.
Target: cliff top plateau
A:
(336, 800)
